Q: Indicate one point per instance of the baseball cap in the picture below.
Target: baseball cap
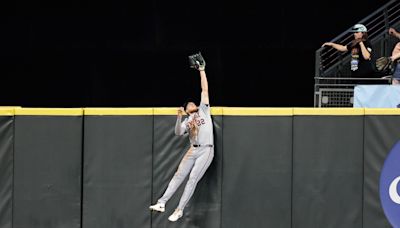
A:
(358, 28)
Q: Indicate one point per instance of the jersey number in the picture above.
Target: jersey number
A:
(200, 122)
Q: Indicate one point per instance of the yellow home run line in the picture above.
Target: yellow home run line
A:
(216, 111)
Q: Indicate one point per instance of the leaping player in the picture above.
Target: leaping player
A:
(198, 158)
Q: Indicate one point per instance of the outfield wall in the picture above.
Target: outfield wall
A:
(278, 168)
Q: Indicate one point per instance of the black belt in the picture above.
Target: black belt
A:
(203, 145)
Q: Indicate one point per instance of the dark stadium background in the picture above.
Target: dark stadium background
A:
(134, 53)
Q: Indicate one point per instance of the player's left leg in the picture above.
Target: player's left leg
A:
(200, 166)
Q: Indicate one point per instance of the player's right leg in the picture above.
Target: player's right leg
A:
(183, 170)
(201, 165)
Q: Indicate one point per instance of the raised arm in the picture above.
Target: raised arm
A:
(204, 87)
(338, 47)
(197, 61)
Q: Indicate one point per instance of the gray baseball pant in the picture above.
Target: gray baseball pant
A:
(196, 161)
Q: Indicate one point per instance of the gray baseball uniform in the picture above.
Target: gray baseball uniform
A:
(197, 159)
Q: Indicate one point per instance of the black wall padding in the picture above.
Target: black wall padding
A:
(257, 172)
(268, 171)
(204, 209)
(327, 171)
(117, 171)
(47, 172)
(381, 134)
(6, 170)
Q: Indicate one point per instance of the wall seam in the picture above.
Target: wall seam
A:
(292, 179)
(222, 167)
(152, 169)
(82, 167)
(363, 173)
(13, 172)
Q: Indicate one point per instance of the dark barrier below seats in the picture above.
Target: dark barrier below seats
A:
(47, 169)
(327, 171)
(117, 171)
(381, 134)
(280, 168)
(257, 171)
(6, 166)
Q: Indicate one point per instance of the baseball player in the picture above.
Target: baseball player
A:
(198, 158)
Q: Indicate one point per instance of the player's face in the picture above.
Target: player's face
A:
(191, 107)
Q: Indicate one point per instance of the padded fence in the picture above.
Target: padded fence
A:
(381, 132)
(6, 166)
(257, 171)
(47, 168)
(327, 171)
(117, 170)
(279, 168)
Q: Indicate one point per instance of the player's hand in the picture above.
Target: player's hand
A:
(192, 123)
(201, 66)
(180, 111)
(327, 44)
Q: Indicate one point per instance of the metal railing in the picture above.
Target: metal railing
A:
(330, 63)
(339, 92)
(377, 23)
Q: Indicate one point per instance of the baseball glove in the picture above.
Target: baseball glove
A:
(197, 61)
(383, 63)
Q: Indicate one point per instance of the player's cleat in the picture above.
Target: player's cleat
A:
(176, 215)
(160, 207)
